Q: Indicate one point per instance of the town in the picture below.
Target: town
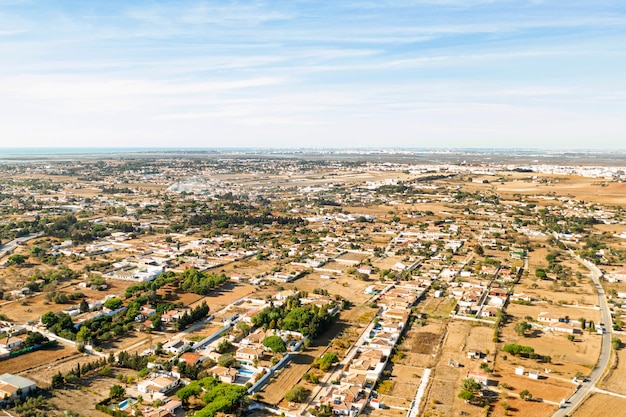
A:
(320, 284)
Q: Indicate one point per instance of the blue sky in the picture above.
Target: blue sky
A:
(325, 73)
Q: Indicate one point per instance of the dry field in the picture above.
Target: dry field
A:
(587, 189)
(445, 381)
(390, 262)
(568, 357)
(615, 379)
(519, 312)
(437, 307)
(520, 408)
(91, 390)
(600, 405)
(33, 307)
(344, 285)
(36, 359)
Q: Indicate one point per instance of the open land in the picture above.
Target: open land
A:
(420, 278)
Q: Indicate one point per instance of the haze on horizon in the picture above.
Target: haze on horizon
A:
(400, 73)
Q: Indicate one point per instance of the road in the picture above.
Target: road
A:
(605, 353)
(11, 245)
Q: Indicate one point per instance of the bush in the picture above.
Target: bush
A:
(296, 395)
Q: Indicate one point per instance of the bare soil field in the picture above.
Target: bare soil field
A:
(519, 312)
(551, 389)
(521, 408)
(437, 307)
(224, 295)
(580, 188)
(34, 359)
(445, 381)
(405, 379)
(352, 256)
(421, 344)
(91, 390)
(615, 380)
(600, 405)
(34, 306)
(568, 357)
(135, 341)
(390, 262)
(345, 285)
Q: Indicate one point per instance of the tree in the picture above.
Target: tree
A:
(224, 346)
(478, 250)
(616, 343)
(113, 303)
(522, 327)
(243, 327)
(34, 339)
(275, 343)
(471, 385)
(227, 361)
(83, 306)
(116, 391)
(526, 395)
(36, 251)
(296, 395)
(583, 323)
(49, 319)
(57, 380)
(191, 390)
(16, 259)
(466, 395)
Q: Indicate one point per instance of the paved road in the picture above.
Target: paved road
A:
(11, 245)
(605, 354)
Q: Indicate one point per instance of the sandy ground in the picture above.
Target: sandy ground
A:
(615, 380)
(601, 405)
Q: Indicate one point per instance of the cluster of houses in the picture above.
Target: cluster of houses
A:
(371, 353)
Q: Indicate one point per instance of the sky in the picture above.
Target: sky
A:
(313, 74)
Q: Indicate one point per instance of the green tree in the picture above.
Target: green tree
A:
(16, 259)
(275, 343)
(224, 346)
(113, 303)
(296, 395)
(57, 380)
(616, 343)
(522, 327)
(466, 395)
(37, 251)
(116, 391)
(526, 395)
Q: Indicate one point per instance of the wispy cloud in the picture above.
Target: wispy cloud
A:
(390, 70)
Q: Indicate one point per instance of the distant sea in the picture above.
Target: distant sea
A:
(399, 155)
(56, 153)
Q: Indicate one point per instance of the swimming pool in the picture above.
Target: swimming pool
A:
(126, 403)
(245, 372)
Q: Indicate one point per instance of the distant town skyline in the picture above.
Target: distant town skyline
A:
(302, 74)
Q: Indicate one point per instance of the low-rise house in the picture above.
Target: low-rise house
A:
(191, 358)
(561, 328)
(249, 353)
(13, 386)
(158, 384)
(365, 269)
(226, 375)
(175, 346)
(481, 378)
(549, 317)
